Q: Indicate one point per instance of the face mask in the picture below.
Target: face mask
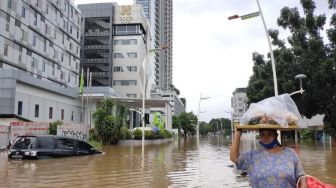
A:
(271, 145)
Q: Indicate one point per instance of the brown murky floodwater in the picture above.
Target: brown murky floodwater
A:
(177, 164)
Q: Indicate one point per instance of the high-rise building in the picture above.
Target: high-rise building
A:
(160, 16)
(114, 46)
(239, 102)
(39, 60)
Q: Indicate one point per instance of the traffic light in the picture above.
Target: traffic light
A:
(233, 17)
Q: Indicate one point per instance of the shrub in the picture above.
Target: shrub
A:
(125, 134)
(167, 134)
(137, 134)
(53, 127)
(93, 135)
(149, 135)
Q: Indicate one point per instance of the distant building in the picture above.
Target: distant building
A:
(177, 105)
(160, 16)
(114, 46)
(39, 60)
(239, 103)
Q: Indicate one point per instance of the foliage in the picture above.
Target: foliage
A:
(167, 134)
(108, 119)
(93, 135)
(307, 52)
(125, 133)
(187, 121)
(306, 134)
(96, 144)
(53, 127)
(137, 134)
(204, 128)
(149, 135)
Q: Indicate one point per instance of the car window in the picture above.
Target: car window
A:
(64, 143)
(84, 146)
(46, 143)
(25, 143)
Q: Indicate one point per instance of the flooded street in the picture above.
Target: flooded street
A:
(177, 164)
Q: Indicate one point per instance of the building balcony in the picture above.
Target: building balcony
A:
(96, 60)
(100, 74)
(97, 33)
(96, 47)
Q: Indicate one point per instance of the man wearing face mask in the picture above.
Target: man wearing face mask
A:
(271, 166)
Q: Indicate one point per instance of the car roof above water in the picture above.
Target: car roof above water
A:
(49, 136)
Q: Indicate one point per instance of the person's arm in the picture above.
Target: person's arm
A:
(234, 151)
(302, 182)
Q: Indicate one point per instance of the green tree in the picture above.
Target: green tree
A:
(307, 53)
(108, 119)
(204, 128)
(188, 123)
(53, 127)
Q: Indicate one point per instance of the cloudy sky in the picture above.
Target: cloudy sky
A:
(212, 55)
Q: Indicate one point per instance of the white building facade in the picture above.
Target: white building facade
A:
(131, 43)
(39, 59)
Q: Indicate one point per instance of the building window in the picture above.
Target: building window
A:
(62, 57)
(18, 23)
(35, 18)
(118, 55)
(127, 30)
(46, 28)
(22, 34)
(132, 68)
(50, 112)
(62, 114)
(34, 63)
(37, 109)
(118, 69)
(70, 29)
(23, 12)
(20, 108)
(7, 22)
(131, 95)
(9, 4)
(34, 41)
(47, 9)
(125, 42)
(72, 115)
(6, 49)
(125, 82)
(45, 45)
(43, 66)
(132, 55)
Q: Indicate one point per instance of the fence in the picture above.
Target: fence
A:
(27, 128)
(79, 131)
(4, 136)
(8, 133)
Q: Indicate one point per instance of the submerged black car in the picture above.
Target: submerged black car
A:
(35, 147)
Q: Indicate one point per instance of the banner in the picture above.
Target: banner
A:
(78, 131)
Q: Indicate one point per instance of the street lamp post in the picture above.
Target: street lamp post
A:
(198, 114)
(271, 52)
(144, 92)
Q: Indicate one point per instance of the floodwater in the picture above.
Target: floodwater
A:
(181, 163)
